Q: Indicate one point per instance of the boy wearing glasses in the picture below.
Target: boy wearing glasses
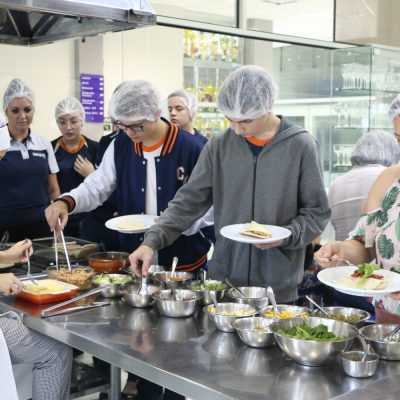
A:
(263, 169)
(146, 165)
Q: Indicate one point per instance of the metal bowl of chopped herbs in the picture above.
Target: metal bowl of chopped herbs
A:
(207, 286)
(313, 341)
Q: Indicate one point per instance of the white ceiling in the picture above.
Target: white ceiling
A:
(304, 18)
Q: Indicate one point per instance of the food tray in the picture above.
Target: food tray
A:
(78, 249)
(39, 298)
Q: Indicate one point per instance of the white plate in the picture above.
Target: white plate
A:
(333, 277)
(147, 219)
(233, 232)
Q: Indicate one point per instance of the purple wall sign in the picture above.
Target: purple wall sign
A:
(92, 97)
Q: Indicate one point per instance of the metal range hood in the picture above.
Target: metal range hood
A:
(34, 22)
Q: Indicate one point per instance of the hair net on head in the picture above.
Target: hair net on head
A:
(16, 89)
(394, 108)
(247, 93)
(189, 99)
(70, 106)
(4, 136)
(135, 100)
(376, 147)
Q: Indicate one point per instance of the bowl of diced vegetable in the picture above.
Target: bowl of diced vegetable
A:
(112, 284)
(208, 286)
(285, 311)
(352, 316)
(254, 331)
(313, 341)
(227, 313)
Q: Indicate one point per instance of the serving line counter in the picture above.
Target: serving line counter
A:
(189, 356)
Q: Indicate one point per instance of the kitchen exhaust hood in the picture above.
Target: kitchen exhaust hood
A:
(34, 22)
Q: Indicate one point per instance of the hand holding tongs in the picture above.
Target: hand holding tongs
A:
(65, 247)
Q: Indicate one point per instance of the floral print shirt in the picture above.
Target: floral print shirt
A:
(380, 228)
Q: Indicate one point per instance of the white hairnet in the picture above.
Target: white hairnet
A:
(189, 99)
(247, 93)
(70, 106)
(376, 147)
(4, 135)
(135, 100)
(16, 89)
(394, 108)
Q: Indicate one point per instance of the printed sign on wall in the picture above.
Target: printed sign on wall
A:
(92, 97)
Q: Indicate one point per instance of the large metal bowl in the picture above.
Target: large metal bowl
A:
(353, 316)
(375, 334)
(180, 278)
(227, 313)
(311, 352)
(254, 331)
(206, 299)
(131, 296)
(177, 308)
(285, 311)
(111, 289)
(255, 296)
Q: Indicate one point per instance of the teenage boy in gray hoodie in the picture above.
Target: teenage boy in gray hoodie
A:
(263, 168)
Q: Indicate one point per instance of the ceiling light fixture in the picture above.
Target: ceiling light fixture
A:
(280, 2)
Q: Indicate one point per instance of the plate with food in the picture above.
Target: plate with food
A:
(134, 223)
(255, 233)
(361, 280)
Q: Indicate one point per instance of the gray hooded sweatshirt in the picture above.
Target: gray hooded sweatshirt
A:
(281, 186)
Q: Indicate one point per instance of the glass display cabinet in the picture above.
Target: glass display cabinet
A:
(365, 80)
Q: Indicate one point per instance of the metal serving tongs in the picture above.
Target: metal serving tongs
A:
(143, 280)
(47, 311)
(28, 261)
(65, 246)
(235, 288)
(55, 249)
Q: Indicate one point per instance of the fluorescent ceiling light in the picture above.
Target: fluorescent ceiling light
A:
(280, 2)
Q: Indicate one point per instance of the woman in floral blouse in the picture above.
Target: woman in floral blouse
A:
(375, 236)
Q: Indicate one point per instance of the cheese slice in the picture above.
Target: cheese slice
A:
(45, 286)
(129, 224)
(256, 230)
(368, 284)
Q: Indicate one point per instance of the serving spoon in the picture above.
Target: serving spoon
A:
(236, 289)
(318, 306)
(214, 300)
(271, 296)
(174, 264)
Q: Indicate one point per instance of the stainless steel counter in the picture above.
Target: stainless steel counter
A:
(189, 356)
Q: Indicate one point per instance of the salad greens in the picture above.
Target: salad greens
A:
(103, 278)
(305, 332)
(366, 270)
(208, 285)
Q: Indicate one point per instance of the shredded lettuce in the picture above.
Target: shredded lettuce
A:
(367, 270)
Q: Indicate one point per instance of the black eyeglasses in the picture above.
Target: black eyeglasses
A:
(133, 127)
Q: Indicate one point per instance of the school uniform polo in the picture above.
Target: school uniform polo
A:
(24, 172)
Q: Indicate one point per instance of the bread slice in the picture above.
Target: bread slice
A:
(256, 230)
(370, 283)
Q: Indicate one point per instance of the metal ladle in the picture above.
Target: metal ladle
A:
(214, 300)
(318, 306)
(236, 289)
(174, 264)
(271, 297)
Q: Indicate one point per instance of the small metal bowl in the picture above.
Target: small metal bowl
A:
(312, 352)
(375, 334)
(177, 308)
(292, 312)
(254, 331)
(255, 296)
(353, 366)
(228, 312)
(111, 289)
(180, 278)
(206, 299)
(131, 296)
(353, 316)
(108, 262)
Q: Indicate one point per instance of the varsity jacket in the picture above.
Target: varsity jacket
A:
(281, 186)
(124, 169)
